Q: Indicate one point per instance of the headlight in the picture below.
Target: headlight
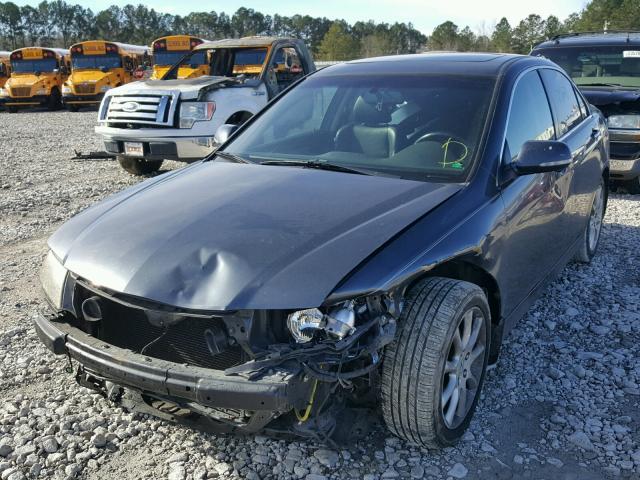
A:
(624, 121)
(41, 91)
(104, 88)
(52, 277)
(4, 92)
(66, 89)
(337, 323)
(191, 112)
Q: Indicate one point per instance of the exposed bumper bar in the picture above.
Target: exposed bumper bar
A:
(281, 391)
(624, 169)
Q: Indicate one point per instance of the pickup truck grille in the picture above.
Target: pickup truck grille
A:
(140, 109)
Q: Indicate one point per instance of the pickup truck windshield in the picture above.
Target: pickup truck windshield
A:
(95, 62)
(423, 127)
(32, 66)
(598, 65)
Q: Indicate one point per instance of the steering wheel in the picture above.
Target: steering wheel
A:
(441, 136)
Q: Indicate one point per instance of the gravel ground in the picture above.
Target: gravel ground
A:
(563, 402)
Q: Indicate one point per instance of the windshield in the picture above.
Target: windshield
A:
(593, 65)
(95, 62)
(250, 56)
(32, 66)
(225, 62)
(164, 59)
(423, 127)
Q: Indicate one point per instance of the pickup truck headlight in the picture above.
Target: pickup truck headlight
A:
(66, 89)
(624, 121)
(52, 276)
(41, 91)
(4, 92)
(192, 112)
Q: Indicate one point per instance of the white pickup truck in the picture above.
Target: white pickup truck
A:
(146, 122)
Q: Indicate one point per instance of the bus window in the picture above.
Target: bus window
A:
(96, 62)
(31, 66)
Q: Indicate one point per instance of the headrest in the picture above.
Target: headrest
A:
(370, 112)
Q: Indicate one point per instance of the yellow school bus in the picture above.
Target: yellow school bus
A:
(5, 67)
(37, 75)
(97, 66)
(167, 51)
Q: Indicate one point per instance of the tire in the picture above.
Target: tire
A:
(137, 166)
(73, 108)
(12, 109)
(633, 186)
(54, 102)
(591, 235)
(413, 372)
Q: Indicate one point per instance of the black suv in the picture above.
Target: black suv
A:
(606, 67)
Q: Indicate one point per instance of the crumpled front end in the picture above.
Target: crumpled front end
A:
(240, 371)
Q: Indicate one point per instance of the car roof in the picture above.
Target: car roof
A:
(257, 41)
(480, 64)
(591, 38)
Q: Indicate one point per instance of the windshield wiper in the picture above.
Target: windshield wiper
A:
(600, 85)
(318, 165)
(230, 156)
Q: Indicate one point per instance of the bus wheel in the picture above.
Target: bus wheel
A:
(137, 166)
(12, 109)
(73, 108)
(54, 100)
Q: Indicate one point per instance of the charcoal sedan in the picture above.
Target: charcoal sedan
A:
(369, 238)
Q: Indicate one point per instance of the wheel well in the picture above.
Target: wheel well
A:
(239, 118)
(476, 275)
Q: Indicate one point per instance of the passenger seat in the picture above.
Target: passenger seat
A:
(370, 133)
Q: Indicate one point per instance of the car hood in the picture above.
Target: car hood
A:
(224, 236)
(606, 96)
(188, 87)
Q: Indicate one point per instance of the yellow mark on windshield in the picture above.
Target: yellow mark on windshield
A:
(457, 162)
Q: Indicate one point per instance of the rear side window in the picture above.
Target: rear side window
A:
(564, 103)
(583, 106)
(530, 117)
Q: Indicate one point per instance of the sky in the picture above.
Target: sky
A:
(424, 14)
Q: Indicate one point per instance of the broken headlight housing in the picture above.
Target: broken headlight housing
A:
(337, 323)
(53, 276)
(624, 121)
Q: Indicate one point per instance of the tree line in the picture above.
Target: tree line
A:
(59, 24)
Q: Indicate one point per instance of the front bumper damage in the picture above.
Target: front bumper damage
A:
(273, 389)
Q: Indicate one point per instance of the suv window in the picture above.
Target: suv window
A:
(530, 117)
(564, 104)
(286, 67)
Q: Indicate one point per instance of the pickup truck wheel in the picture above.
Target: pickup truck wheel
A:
(591, 235)
(433, 372)
(138, 166)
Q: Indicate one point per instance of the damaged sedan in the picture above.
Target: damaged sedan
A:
(368, 239)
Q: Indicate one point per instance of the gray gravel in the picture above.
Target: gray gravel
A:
(563, 402)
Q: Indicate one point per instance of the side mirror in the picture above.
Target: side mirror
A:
(537, 156)
(224, 132)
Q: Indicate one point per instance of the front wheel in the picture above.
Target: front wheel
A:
(591, 235)
(138, 166)
(633, 186)
(433, 372)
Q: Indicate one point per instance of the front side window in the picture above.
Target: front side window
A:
(564, 103)
(33, 66)
(529, 117)
(598, 65)
(95, 62)
(286, 67)
(423, 127)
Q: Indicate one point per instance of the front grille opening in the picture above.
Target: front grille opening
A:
(624, 150)
(183, 342)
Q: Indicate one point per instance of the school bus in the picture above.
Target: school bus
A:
(167, 51)
(5, 67)
(98, 66)
(37, 75)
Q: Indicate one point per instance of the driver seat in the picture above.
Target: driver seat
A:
(370, 133)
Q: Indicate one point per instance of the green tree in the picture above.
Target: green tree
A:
(376, 44)
(10, 24)
(528, 33)
(444, 37)
(339, 44)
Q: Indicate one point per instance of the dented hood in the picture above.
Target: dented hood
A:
(225, 236)
(188, 87)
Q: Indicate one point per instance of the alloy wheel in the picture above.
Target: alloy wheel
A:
(463, 367)
(595, 220)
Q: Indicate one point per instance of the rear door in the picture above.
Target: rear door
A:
(535, 203)
(579, 129)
